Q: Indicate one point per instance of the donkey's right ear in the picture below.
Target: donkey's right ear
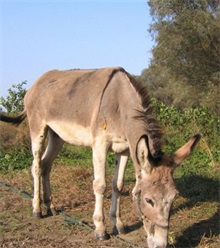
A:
(142, 154)
(184, 151)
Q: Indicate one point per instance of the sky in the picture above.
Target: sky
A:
(40, 35)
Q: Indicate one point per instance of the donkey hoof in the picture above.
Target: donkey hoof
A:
(52, 212)
(102, 236)
(120, 230)
(37, 215)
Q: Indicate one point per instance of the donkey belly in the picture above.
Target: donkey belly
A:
(72, 133)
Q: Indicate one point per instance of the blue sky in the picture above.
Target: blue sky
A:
(40, 35)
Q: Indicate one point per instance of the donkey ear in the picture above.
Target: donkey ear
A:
(142, 154)
(184, 151)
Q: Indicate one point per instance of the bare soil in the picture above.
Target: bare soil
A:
(193, 223)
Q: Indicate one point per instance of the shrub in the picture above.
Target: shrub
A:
(180, 125)
(15, 100)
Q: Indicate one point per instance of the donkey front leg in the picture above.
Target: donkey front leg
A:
(99, 186)
(117, 186)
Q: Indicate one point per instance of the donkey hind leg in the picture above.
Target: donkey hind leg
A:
(117, 186)
(99, 186)
(55, 143)
(37, 140)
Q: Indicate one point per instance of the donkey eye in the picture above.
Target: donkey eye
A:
(149, 201)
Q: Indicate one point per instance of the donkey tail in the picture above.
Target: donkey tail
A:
(13, 119)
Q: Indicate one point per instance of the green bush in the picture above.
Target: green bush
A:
(15, 160)
(14, 102)
(188, 122)
(180, 125)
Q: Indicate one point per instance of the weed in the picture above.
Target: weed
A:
(14, 160)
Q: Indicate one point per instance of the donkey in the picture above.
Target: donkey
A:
(107, 110)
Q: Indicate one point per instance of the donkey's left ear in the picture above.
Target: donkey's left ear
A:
(142, 154)
(186, 150)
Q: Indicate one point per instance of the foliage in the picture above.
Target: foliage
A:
(180, 125)
(185, 59)
(14, 160)
(187, 36)
(15, 100)
(189, 120)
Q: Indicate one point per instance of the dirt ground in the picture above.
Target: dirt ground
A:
(73, 227)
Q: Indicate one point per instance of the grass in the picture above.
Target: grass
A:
(194, 217)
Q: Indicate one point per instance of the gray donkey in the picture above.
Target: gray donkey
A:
(107, 110)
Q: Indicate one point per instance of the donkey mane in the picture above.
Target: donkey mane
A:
(151, 125)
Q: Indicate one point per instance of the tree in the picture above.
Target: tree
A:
(187, 51)
(14, 101)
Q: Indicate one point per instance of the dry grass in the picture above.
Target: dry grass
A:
(72, 191)
(13, 136)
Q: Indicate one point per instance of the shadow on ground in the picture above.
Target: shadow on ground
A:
(134, 227)
(193, 235)
(198, 189)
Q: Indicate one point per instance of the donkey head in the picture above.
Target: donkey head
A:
(155, 190)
